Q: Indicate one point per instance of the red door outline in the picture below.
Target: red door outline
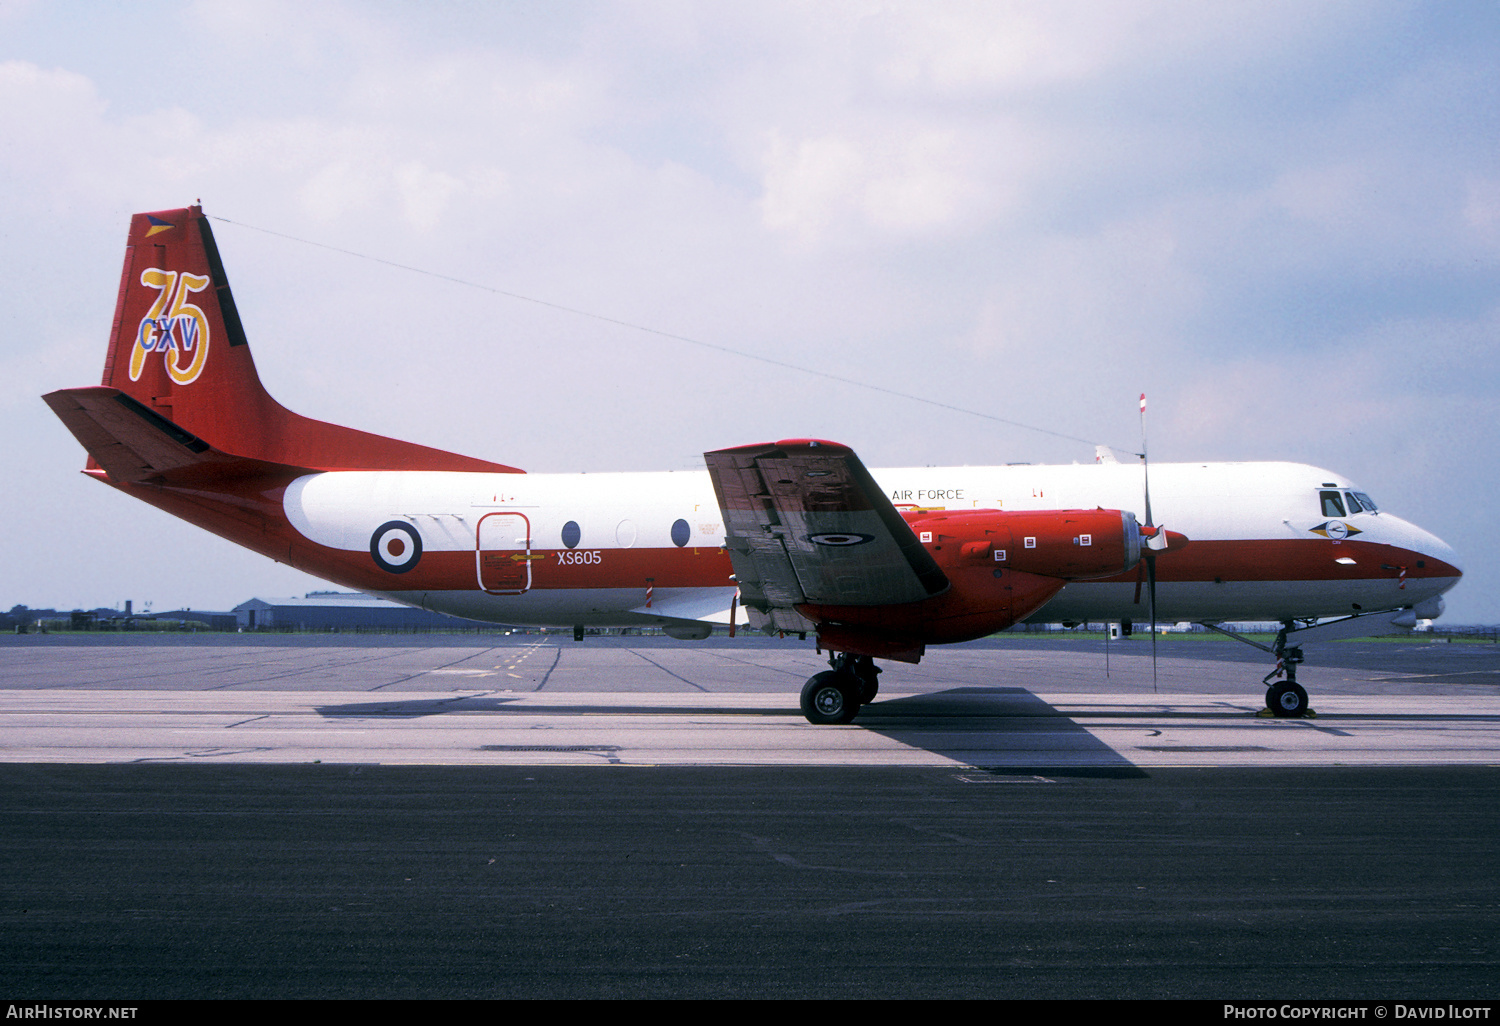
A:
(502, 553)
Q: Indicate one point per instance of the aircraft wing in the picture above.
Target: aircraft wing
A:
(692, 605)
(805, 522)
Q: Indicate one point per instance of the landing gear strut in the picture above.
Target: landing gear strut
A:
(1286, 699)
(835, 695)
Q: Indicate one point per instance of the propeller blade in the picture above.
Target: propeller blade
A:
(1151, 599)
(1146, 463)
(1156, 539)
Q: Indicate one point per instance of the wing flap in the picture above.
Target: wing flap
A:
(805, 522)
(692, 605)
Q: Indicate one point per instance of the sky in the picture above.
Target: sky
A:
(1281, 220)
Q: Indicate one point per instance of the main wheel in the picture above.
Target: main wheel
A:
(830, 697)
(1287, 700)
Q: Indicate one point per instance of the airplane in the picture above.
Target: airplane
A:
(788, 537)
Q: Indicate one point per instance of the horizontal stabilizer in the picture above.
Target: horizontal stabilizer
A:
(132, 443)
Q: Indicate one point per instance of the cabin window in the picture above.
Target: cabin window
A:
(681, 532)
(1333, 505)
(571, 534)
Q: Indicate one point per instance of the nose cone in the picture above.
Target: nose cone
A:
(1430, 562)
(1438, 554)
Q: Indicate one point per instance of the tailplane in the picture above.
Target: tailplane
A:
(179, 367)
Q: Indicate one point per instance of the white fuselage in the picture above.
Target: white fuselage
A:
(632, 549)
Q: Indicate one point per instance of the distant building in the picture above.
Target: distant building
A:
(217, 620)
(340, 610)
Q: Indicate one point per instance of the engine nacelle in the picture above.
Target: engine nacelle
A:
(1001, 568)
(1071, 544)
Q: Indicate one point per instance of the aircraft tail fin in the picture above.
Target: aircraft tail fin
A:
(178, 351)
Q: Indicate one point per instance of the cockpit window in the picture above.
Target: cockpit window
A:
(1365, 501)
(1333, 505)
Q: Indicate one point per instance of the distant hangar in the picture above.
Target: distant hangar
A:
(341, 610)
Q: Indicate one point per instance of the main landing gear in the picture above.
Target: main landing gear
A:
(835, 695)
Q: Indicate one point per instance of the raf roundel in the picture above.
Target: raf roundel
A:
(840, 538)
(396, 546)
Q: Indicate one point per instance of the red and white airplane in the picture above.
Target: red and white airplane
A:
(790, 537)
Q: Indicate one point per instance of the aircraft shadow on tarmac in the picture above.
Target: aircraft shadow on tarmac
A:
(972, 725)
(990, 725)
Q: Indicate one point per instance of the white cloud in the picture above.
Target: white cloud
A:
(1028, 208)
(1482, 209)
(49, 120)
(894, 179)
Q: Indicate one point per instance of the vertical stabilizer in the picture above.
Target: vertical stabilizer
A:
(178, 348)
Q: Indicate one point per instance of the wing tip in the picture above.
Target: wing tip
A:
(786, 445)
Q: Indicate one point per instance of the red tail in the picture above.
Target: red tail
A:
(179, 351)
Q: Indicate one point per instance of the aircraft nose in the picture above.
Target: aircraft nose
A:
(1450, 560)
(1438, 551)
(1434, 557)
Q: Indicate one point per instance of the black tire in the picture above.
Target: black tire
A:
(868, 674)
(830, 697)
(1287, 700)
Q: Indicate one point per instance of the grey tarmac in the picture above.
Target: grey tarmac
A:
(547, 700)
(533, 817)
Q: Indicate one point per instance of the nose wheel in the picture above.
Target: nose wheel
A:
(1287, 699)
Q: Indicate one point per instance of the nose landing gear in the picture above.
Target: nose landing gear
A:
(1286, 699)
